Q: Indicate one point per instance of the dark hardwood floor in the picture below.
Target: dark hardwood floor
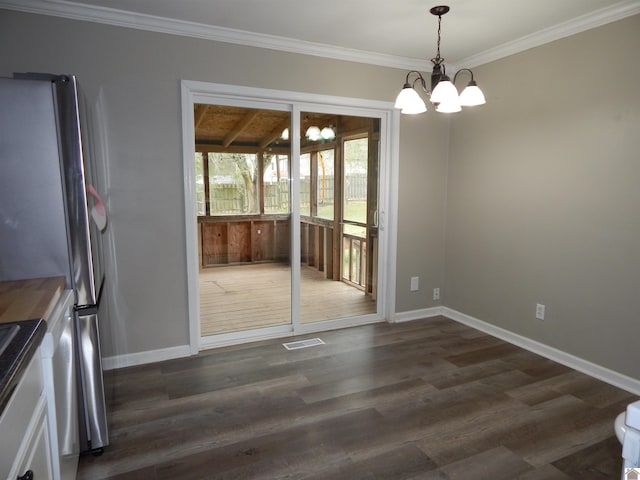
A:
(429, 399)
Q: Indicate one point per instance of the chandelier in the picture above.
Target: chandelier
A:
(443, 93)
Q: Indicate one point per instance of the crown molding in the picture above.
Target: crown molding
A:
(580, 24)
(120, 18)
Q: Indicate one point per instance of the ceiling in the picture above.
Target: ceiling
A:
(394, 33)
(398, 33)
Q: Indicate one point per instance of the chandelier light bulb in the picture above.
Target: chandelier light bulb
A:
(409, 102)
(449, 107)
(445, 92)
(472, 96)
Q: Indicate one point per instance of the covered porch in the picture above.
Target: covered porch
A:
(244, 178)
(244, 297)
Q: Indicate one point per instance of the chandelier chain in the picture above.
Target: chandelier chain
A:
(438, 60)
(439, 24)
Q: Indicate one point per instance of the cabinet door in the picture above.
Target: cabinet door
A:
(59, 366)
(17, 421)
(35, 455)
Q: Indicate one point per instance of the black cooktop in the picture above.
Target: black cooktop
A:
(7, 333)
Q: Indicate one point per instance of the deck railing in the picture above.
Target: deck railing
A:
(354, 258)
(237, 239)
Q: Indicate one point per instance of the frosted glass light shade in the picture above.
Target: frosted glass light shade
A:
(449, 107)
(285, 134)
(327, 133)
(409, 102)
(472, 96)
(313, 134)
(445, 92)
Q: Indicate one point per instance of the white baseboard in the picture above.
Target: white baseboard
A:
(614, 378)
(151, 356)
(417, 314)
(140, 358)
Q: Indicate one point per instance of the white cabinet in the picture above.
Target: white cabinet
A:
(24, 441)
(60, 390)
(39, 437)
(34, 463)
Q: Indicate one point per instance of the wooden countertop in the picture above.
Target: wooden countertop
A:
(29, 299)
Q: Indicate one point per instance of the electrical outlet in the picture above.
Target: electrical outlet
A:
(415, 284)
(540, 311)
(436, 294)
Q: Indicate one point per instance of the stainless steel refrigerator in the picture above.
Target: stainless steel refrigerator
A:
(52, 218)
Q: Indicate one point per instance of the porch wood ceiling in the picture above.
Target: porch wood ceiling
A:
(221, 128)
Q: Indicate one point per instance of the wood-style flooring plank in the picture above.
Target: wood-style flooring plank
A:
(417, 400)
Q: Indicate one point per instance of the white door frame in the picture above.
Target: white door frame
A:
(295, 102)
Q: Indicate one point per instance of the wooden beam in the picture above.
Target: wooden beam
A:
(198, 120)
(207, 183)
(275, 134)
(240, 127)
(205, 147)
(260, 182)
(338, 188)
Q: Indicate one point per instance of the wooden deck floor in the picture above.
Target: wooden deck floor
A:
(254, 296)
(429, 399)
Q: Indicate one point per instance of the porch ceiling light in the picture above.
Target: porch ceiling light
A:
(328, 133)
(313, 133)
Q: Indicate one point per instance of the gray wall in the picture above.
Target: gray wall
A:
(423, 174)
(543, 200)
(541, 197)
(133, 78)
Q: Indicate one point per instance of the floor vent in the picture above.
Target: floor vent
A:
(312, 342)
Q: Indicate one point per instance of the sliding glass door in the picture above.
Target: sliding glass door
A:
(286, 202)
(244, 222)
(338, 210)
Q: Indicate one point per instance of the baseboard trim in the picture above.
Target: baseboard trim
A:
(151, 356)
(611, 377)
(141, 358)
(417, 314)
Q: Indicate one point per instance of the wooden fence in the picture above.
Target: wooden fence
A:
(231, 199)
